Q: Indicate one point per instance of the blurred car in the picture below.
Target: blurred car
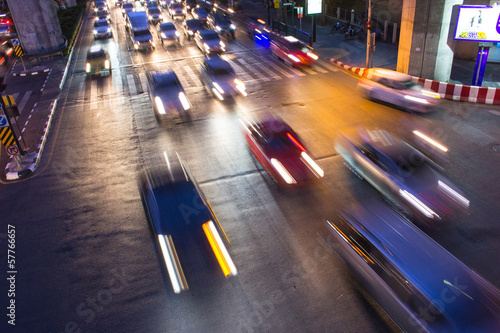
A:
(97, 62)
(420, 285)
(257, 29)
(177, 10)
(150, 4)
(293, 51)
(154, 15)
(100, 4)
(402, 174)
(167, 95)
(7, 29)
(222, 24)
(6, 52)
(191, 27)
(208, 41)
(127, 7)
(190, 5)
(168, 33)
(200, 13)
(165, 3)
(190, 243)
(102, 14)
(102, 29)
(119, 2)
(280, 152)
(398, 89)
(219, 78)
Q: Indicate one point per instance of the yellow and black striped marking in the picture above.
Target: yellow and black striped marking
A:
(18, 50)
(7, 136)
(9, 100)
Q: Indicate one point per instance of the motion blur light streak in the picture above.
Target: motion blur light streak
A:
(297, 143)
(453, 194)
(350, 242)
(282, 171)
(184, 101)
(416, 99)
(418, 204)
(220, 251)
(173, 266)
(313, 164)
(159, 105)
(431, 141)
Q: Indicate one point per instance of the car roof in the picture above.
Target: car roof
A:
(389, 74)
(193, 21)
(164, 78)
(208, 32)
(96, 49)
(101, 21)
(218, 63)
(166, 24)
(424, 263)
(128, 4)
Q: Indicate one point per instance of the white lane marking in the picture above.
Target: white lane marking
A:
(240, 72)
(279, 69)
(144, 83)
(252, 69)
(118, 84)
(308, 70)
(21, 105)
(327, 65)
(93, 95)
(131, 84)
(196, 80)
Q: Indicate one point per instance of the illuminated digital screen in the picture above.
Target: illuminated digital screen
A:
(478, 23)
(314, 7)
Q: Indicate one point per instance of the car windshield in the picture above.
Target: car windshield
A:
(404, 85)
(202, 11)
(154, 11)
(167, 27)
(222, 20)
(96, 55)
(176, 5)
(222, 71)
(165, 81)
(100, 24)
(142, 33)
(4, 27)
(210, 36)
(193, 24)
(128, 5)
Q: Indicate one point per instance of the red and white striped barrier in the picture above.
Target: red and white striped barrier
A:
(452, 91)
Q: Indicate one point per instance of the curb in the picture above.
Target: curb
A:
(451, 91)
(31, 72)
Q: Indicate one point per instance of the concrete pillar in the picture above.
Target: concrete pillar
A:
(425, 48)
(386, 29)
(37, 25)
(338, 12)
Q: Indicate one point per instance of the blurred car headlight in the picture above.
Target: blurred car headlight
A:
(218, 28)
(177, 33)
(418, 204)
(190, 32)
(95, 32)
(159, 105)
(150, 17)
(429, 93)
(240, 86)
(222, 44)
(294, 58)
(218, 87)
(312, 55)
(453, 194)
(106, 64)
(87, 68)
(310, 162)
(184, 101)
(233, 27)
(416, 99)
(163, 35)
(287, 177)
(109, 29)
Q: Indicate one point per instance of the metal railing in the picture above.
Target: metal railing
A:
(285, 29)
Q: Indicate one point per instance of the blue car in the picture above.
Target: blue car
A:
(189, 235)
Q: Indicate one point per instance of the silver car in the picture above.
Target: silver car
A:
(418, 283)
(167, 33)
(154, 15)
(218, 77)
(397, 89)
(403, 174)
(208, 41)
(167, 95)
(102, 29)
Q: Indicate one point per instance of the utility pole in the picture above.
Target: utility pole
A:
(368, 31)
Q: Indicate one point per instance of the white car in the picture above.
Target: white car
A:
(397, 89)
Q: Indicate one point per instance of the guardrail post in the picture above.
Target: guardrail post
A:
(386, 29)
(394, 33)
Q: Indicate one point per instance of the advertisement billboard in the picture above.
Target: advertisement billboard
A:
(314, 7)
(478, 23)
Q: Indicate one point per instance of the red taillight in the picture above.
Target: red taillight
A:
(295, 141)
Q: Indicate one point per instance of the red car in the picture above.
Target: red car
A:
(280, 152)
(292, 51)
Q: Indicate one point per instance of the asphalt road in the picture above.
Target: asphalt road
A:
(87, 260)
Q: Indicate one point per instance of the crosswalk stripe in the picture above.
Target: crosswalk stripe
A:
(267, 70)
(81, 96)
(144, 83)
(327, 65)
(183, 80)
(131, 84)
(279, 69)
(117, 79)
(196, 80)
(252, 69)
(319, 69)
(21, 105)
(93, 95)
(308, 70)
(240, 72)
